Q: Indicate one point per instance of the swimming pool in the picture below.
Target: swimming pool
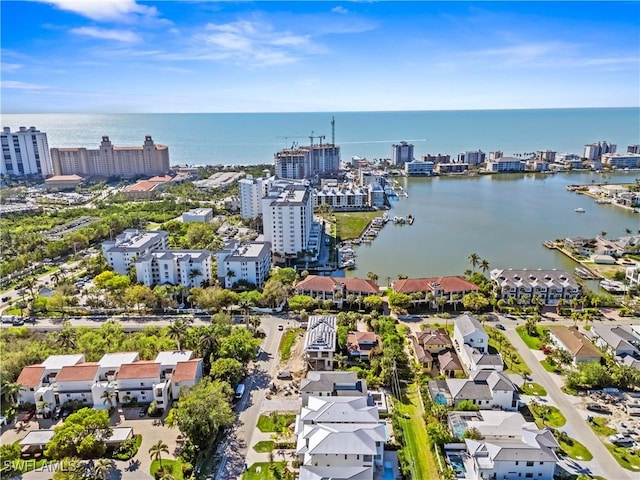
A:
(457, 463)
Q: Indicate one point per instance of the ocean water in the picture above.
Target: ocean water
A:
(251, 138)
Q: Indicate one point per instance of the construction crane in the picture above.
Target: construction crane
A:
(310, 137)
(319, 137)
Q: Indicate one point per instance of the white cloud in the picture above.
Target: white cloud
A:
(11, 67)
(22, 85)
(107, 34)
(340, 9)
(253, 44)
(105, 10)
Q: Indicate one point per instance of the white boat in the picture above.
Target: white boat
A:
(579, 210)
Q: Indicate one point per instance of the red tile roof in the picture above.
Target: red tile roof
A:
(142, 369)
(448, 284)
(320, 283)
(76, 373)
(31, 376)
(143, 186)
(186, 370)
(449, 361)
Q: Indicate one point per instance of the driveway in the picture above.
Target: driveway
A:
(603, 463)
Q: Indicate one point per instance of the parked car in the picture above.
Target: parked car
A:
(284, 375)
(27, 416)
(142, 412)
(280, 327)
(500, 326)
(57, 413)
(6, 298)
(596, 407)
(65, 413)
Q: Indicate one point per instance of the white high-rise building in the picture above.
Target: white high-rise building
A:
(472, 157)
(25, 152)
(401, 153)
(252, 190)
(131, 244)
(593, 151)
(287, 215)
(307, 161)
(249, 261)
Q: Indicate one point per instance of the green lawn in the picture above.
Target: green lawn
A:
(549, 415)
(529, 388)
(275, 422)
(574, 449)
(419, 447)
(176, 467)
(548, 367)
(533, 343)
(624, 457)
(286, 343)
(600, 426)
(350, 225)
(264, 446)
(261, 471)
(513, 362)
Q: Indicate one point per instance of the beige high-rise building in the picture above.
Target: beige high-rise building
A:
(109, 161)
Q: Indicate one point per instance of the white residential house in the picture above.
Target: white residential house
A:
(131, 244)
(467, 330)
(488, 389)
(619, 341)
(248, 261)
(331, 384)
(320, 342)
(189, 268)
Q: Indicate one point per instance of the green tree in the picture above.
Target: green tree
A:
(239, 344)
(102, 468)
(484, 266)
(301, 302)
(157, 449)
(399, 301)
(82, 435)
(474, 260)
(475, 301)
(108, 397)
(177, 330)
(66, 338)
(202, 410)
(139, 295)
(229, 370)
(373, 302)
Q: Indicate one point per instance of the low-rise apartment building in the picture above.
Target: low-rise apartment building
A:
(122, 252)
(249, 262)
(525, 285)
(506, 164)
(189, 268)
(419, 169)
(451, 288)
(336, 289)
(198, 215)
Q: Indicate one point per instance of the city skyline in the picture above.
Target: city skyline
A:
(149, 57)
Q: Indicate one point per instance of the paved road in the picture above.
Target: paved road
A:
(235, 448)
(603, 463)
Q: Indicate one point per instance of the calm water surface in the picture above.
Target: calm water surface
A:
(502, 218)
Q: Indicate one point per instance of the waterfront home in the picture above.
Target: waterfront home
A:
(569, 339)
(430, 289)
(489, 423)
(488, 389)
(361, 344)
(320, 342)
(336, 289)
(525, 285)
(331, 384)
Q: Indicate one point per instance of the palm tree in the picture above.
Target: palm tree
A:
(108, 397)
(484, 266)
(156, 451)
(194, 273)
(67, 337)
(10, 391)
(603, 234)
(102, 468)
(372, 276)
(177, 330)
(474, 260)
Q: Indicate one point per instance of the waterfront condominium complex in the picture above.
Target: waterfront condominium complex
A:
(524, 285)
(253, 190)
(25, 152)
(593, 151)
(401, 153)
(131, 244)
(472, 157)
(189, 268)
(111, 161)
(308, 161)
(249, 262)
(287, 215)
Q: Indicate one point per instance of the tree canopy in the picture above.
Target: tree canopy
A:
(82, 435)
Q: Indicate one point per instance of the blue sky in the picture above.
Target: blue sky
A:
(201, 56)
